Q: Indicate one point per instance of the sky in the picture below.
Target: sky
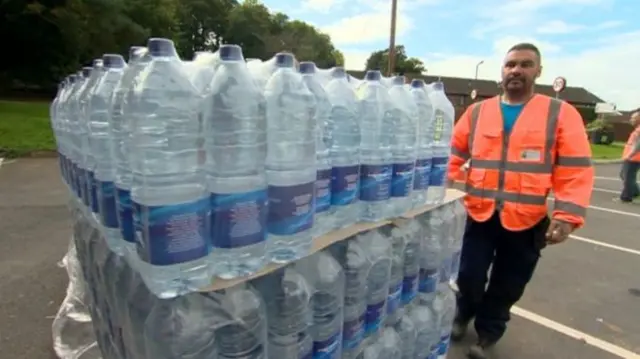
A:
(594, 44)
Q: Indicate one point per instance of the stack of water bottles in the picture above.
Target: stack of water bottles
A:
(183, 171)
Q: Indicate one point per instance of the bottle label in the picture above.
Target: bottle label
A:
(438, 125)
(375, 182)
(438, 171)
(291, 208)
(323, 190)
(238, 219)
(328, 349)
(125, 214)
(93, 192)
(172, 234)
(402, 180)
(409, 288)
(353, 332)
(428, 280)
(434, 351)
(374, 317)
(443, 345)
(422, 174)
(445, 270)
(107, 204)
(393, 300)
(344, 185)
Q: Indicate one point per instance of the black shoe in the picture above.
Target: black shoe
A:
(478, 351)
(459, 330)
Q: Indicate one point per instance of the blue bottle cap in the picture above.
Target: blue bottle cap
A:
(438, 86)
(284, 59)
(398, 80)
(96, 63)
(112, 61)
(338, 72)
(417, 84)
(307, 67)
(135, 52)
(161, 47)
(231, 53)
(373, 75)
(86, 71)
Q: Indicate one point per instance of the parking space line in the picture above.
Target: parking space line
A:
(575, 334)
(610, 210)
(607, 178)
(604, 244)
(605, 190)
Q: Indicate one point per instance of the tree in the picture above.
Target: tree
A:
(339, 57)
(403, 64)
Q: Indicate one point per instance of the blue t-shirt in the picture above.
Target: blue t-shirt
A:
(510, 114)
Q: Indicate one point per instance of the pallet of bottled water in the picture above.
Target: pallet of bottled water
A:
(229, 207)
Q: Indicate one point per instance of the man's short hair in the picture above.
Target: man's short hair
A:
(526, 46)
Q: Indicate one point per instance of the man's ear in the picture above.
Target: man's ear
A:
(539, 73)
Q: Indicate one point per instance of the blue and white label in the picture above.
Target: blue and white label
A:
(438, 171)
(443, 345)
(323, 190)
(345, 185)
(445, 270)
(107, 204)
(173, 234)
(402, 179)
(394, 298)
(93, 191)
(291, 208)
(428, 280)
(375, 182)
(328, 349)
(125, 215)
(238, 219)
(353, 332)
(375, 315)
(409, 288)
(434, 351)
(421, 176)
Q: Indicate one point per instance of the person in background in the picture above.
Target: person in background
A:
(520, 146)
(631, 163)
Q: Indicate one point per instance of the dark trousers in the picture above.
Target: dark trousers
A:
(629, 175)
(514, 256)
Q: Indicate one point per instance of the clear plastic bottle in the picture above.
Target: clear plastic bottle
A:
(412, 255)
(235, 143)
(344, 132)
(75, 117)
(428, 333)
(460, 213)
(291, 162)
(135, 307)
(101, 152)
(55, 123)
(171, 204)
(61, 130)
(323, 222)
(424, 143)
(120, 128)
(430, 256)
(443, 120)
(446, 236)
(397, 237)
(404, 113)
(375, 150)
(447, 312)
(408, 334)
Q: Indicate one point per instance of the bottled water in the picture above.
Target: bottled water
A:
(245, 336)
(100, 141)
(135, 311)
(446, 315)
(404, 114)
(120, 134)
(55, 123)
(291, 162)
(75, 118)
(378, 252)
(412, 256)
(235, 168)
(171, 206)
(375, 150)
(394, 300)
(430, 256)
(344, 134)
(408, 334)
(460, 215)
(323, 221)
(327, 279)
(424, 143)
(387, 346)
(428, 333)
(443, 120)
(445, 234)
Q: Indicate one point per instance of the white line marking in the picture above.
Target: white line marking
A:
(604, 244)
(606, 190)
(575, 334)
(607, 178)
(615, 211)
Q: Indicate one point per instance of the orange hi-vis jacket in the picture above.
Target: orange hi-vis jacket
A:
(513, 173)
(632, 148)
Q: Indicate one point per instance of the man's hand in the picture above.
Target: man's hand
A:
(558, 231)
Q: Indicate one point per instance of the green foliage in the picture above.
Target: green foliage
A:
(403, 63)
(599, 125)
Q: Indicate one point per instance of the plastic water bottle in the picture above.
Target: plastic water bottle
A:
(411, 261)
(445, 235)
(235, 143)
(460, 214)
(323, 222)
(424, 143)
(101, 151)
(428, 333)
(57, 113)
(446, 315)
(325, 275)
(404, 113)
(408, 334)
(375, 151)
(245, 336)
(171, 204)
(135, 311)
(121, 122)
(75, 117)
(344, 132)
(430, 256)
(55, 125)
(443, 120)
(394, 300)
(291, 162)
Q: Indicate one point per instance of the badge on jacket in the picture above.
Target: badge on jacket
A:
(530, 155)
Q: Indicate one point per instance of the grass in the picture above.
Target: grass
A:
(25, 128)
(607, 152)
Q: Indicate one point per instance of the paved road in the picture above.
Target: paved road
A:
(585, 286)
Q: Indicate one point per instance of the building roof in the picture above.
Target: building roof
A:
(486, 88)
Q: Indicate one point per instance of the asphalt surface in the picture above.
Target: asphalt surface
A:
(588, 287)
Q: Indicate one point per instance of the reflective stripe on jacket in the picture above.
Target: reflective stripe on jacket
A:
(632, 148)
(546, 150)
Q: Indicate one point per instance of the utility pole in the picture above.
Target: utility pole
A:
(392, 37)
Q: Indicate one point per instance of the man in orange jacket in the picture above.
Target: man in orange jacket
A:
(631, 162)
(520, 146)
